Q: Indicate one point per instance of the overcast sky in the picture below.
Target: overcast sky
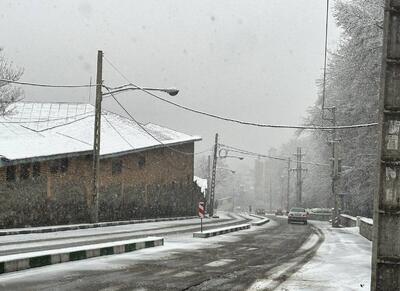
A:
(252, 60)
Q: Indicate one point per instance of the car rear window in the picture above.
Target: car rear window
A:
(297, 210)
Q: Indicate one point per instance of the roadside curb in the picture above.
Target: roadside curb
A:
(46, 229)
(257, 216)
(219, 231)
(260, 222)
(17, 262)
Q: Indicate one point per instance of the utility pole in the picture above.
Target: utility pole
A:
(94, 211)
(266, 172)
(288, 186)
(270, 194)
(299, 181)
(208, 182)
(336, 161)
(213, 176)
(386, 230)
(335, 170)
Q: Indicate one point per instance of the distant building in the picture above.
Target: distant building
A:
(46, 167)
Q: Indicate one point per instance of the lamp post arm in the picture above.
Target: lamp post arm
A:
(170, 91)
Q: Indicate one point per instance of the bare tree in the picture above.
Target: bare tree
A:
(8, 92)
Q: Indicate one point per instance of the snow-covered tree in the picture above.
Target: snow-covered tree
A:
(8, 92)
(352, 86)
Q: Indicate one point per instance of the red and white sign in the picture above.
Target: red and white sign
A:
(201, 209)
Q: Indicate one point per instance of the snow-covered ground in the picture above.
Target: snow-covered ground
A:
(343, 262)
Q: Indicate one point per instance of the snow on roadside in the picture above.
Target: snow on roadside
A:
(343, 262)
(172, 245)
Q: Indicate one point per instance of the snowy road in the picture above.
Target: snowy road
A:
(44, 241)
(229, 262)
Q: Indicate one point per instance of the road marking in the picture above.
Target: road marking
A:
(220, 263)
(184, 274)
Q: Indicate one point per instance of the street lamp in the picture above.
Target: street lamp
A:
(120, 89)
(94, 211)
(223, 153)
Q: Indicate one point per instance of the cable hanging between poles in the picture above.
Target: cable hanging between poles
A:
(310, 127)
(46, 85)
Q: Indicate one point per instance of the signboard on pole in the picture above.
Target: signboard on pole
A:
(201, 209)
(201, 214)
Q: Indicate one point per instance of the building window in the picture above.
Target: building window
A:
(116, 167)
(59, 166)
(24, 171)
(64, 165)
(10, 175)
(53, 166)
(36, 169)
(141, 162)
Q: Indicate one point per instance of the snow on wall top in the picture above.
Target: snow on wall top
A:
(202, 183)
(46, 129)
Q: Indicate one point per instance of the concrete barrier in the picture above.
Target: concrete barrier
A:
(219, 231)
(366, 225)
(56, 228)
(347, 220)
(17, 262)
(320, 216)
(260, 222)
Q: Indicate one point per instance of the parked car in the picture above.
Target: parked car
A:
(260, 211)
(297, 214)
(279, 212)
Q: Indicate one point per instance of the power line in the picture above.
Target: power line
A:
(325, 56)
(246, 152)
(312, 127)
(47, 85)
(148, 132)
(84, 115)
(117, 131)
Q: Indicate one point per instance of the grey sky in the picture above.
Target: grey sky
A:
(252, 60)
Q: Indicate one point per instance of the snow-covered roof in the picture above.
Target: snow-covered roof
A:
(202, 183)
(48, 129)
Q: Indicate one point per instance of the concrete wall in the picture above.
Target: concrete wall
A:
(153, 183)
(320, 216)
(366, 226)
(347, 220)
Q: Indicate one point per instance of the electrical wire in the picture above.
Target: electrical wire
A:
(148, 132)
(46, 85)
(311, 127)
(250, 153)
(325, 57)
(117, 131)
(84, 115)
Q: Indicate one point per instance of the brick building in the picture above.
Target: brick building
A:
(46, 167)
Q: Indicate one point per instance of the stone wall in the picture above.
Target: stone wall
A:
(347, 220)
(366, 226)
(153, 183)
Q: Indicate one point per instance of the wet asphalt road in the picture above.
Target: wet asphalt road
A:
(231, 266)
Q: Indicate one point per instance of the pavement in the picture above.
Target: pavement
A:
(274, 256)
(342, 263)
(24, 243)
(232, 261)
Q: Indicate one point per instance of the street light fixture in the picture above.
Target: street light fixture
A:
(223, 153)
(117, 90)
(94, 211)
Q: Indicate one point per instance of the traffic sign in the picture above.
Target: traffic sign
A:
(201, 209)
